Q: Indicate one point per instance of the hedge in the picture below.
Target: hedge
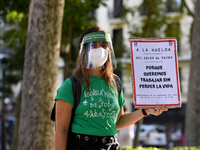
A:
(154, 148)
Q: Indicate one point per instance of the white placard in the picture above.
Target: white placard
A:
(155, 72)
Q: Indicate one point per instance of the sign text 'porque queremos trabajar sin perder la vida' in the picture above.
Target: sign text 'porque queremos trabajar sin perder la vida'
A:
(155, 72)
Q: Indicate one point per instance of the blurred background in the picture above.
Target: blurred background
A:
(122, 19)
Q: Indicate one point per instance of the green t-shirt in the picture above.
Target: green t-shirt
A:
(97, 111)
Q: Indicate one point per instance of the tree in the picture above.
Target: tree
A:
(15, 14)
(81, 17)
(192, 130)
(154, 20)
(40, 74)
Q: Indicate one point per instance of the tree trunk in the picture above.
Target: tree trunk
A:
(15, 138)
(40, 74)
(192, 131)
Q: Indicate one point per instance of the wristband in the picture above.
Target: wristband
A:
(144, 112)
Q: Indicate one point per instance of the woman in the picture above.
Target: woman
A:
(100, 112)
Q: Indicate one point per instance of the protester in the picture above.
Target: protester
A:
(100, 112)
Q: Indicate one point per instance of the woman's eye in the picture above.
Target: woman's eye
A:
(93, 45)
(105, 46)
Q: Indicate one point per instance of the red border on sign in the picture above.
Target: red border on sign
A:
(176, 65)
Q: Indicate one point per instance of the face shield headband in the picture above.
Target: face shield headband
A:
(97, 50)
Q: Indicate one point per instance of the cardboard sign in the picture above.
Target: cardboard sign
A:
(155, 72)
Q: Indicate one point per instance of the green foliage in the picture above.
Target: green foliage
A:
(20, 6)
(75, 17)
(155, 21)
(185, 148)
(154, 148)
(155, 18)
(126, 148)
(75, 20)
(78, 16)
(14, 17)
(141, 148)
(15, 38)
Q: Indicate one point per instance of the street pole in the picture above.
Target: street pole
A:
(4, 62)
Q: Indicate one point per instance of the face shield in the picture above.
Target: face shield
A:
(97, 50)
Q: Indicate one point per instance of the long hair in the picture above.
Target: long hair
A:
(81, 73)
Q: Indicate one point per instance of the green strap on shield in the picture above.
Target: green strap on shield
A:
(96, 36)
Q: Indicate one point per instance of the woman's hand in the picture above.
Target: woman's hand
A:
(156, 110)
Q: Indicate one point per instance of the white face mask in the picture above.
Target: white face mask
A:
(97, 57)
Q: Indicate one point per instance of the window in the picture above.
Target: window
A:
(117, 41)
(117, 8)
(143, 8)
(91, 15)
(118, 49)
(173, 5)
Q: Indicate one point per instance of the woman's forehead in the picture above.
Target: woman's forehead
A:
(102, 42)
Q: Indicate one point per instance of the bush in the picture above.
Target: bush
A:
(140, 148)
(185, 148)
(154, 148)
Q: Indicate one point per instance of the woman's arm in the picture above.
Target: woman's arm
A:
(126, 120)
(63, 117)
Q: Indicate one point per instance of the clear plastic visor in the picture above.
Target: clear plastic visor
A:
(97, 54)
